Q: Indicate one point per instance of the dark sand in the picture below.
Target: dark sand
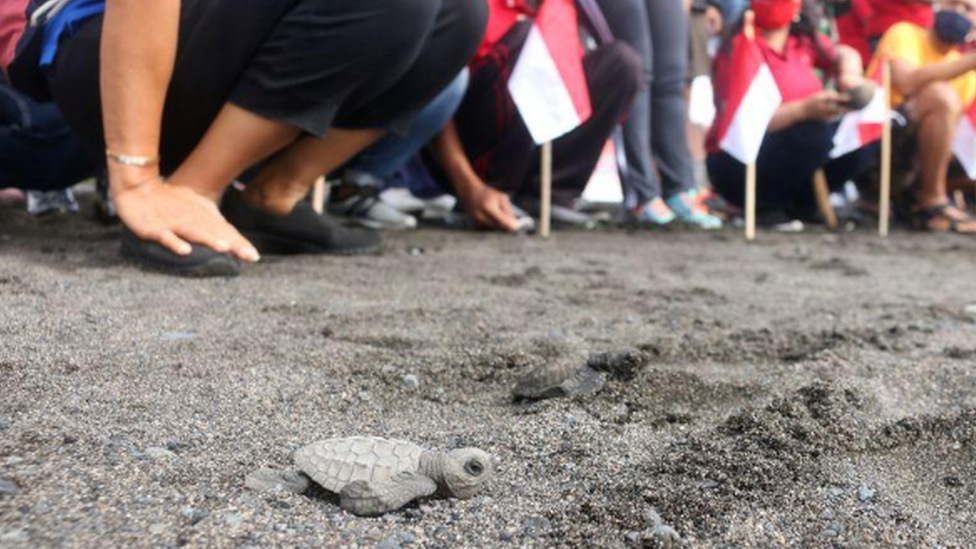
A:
(806, 391)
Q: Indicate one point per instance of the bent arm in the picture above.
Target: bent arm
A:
(138, 51)
(908, 80)
(451, 156)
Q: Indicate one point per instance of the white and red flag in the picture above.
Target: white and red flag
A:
(753, 99)
(861, 128)
(548, 84)
(964, 143)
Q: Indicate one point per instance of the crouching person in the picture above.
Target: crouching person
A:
(201, 90)
(933, 83)
(38, 151)
(487, 154)
(800, 137)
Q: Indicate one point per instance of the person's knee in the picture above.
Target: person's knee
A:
(617, 68)
(939, 98)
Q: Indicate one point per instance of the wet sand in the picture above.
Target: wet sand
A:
(805, 391)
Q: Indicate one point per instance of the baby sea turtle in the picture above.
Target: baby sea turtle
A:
(374, 476)
(559, 379)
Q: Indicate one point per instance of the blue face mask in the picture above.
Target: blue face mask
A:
(952, 27)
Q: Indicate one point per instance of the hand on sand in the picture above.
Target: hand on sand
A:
(490, 209)
(175, 217)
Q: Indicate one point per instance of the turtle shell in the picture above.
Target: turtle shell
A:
(545, 381)
(335, 463)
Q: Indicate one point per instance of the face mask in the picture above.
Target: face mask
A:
(952, 27)
(775, 14)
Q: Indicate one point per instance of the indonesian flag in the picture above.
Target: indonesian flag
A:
(964, 143)
(753, 99)
(548, 84)
(861, 128)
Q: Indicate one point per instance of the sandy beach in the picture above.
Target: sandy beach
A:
(806, 391)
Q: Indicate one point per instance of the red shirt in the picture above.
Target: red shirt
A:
(889, 12)
(13, 21)
(502, 16)
(793, 71)
(854, 26)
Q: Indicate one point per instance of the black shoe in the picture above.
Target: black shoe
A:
(202, 262)
(303, 231)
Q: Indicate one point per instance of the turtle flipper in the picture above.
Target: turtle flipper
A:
(269, 480)
(586, 381)
(377, 498)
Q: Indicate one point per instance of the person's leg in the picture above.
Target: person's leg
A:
(455, 32)
(37, 149)
(937, 110)
(787, 161)
(628, 19)
(613, 75)
(668, 22)
(383, 159)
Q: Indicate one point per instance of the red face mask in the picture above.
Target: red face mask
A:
(775, 14)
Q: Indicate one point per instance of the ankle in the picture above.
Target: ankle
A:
(270, 200)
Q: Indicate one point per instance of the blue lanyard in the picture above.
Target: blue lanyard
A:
(63, 22)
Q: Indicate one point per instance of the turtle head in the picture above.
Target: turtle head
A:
(466, 470)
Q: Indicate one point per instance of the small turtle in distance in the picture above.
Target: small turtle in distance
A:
(559, 379)
(373, 476)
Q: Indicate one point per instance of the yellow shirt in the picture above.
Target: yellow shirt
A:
(913, 44)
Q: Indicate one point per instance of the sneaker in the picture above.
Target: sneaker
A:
(364, 207)
(656, 212)
(428, 209)
(40, 203)
(687, 208)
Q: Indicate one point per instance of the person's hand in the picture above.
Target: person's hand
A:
(714, 21)
(825, 105)
(490, 208)
(174, 217)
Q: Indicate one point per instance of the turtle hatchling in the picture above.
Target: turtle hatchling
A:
(559, 379)
(373, 476)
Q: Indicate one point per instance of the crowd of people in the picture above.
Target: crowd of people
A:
(210, 121)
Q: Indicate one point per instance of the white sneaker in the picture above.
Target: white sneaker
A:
(436, 208)
(47, 202)
(365, 208)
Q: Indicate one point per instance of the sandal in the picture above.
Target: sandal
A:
(943, 218)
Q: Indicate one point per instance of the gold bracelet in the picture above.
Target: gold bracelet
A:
(133, 161)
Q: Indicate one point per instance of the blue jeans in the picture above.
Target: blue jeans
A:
(37, 149)
(392, 153)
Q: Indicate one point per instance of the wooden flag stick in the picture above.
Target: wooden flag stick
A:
(318, 195)
(751, 201)
(822, 191)
(884, 211)
(545, 209)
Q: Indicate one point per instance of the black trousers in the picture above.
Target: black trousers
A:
(787, 161)
(655, 133)
(498, 143)
(313, 64)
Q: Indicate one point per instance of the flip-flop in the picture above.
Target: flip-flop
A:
(922, 219)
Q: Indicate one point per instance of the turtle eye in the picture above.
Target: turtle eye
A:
(474, 468)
